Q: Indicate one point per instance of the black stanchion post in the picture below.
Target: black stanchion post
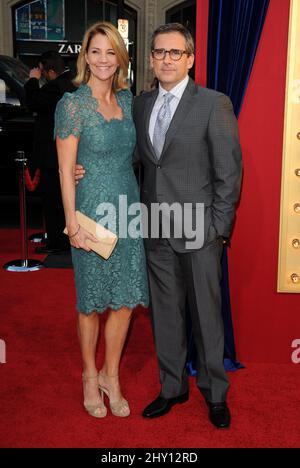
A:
(24, 264)
(21, 160)
(39, 237)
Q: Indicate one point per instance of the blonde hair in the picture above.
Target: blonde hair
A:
(118, 44)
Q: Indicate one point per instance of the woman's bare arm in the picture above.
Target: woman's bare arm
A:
(67, 155)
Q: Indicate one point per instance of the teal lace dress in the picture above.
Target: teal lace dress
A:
(105, 150)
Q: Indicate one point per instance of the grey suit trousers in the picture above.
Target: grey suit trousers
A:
(174, 276)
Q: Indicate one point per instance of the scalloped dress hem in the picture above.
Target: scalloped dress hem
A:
(113, 307)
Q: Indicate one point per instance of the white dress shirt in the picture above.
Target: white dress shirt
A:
(177, 91)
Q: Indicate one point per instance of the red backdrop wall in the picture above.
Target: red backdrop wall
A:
(265, 321)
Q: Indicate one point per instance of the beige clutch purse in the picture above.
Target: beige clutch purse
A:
(107, 239)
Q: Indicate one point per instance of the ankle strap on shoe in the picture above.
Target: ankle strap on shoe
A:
(89, 378)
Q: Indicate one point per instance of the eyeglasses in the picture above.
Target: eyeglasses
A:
(175, 54)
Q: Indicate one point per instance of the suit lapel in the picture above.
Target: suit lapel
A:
(151, 98)
(181, 113)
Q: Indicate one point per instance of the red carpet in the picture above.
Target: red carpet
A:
(40, 393)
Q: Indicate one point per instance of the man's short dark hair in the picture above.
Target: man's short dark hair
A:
(51, 60)
(175, 27)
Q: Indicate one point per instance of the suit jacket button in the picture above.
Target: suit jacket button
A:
(158, 167)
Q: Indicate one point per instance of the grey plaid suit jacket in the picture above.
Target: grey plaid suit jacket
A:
(201, 161)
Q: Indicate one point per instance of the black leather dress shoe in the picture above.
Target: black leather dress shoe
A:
(219, 414)
(162, 405)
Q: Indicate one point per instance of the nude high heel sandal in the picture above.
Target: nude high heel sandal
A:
(118, 408)
(99, 410)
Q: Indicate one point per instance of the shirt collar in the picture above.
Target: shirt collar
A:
(177, 91)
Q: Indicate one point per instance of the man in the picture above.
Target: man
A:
(188, 147)
(43, 102)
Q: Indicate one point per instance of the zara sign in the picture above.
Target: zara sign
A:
(67, 48)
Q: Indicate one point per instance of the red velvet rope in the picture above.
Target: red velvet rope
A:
(31, 184)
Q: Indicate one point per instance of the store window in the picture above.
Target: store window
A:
(40, 20)
(41, 25)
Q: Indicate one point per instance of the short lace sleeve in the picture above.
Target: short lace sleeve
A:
(67, 117)
(126, 98)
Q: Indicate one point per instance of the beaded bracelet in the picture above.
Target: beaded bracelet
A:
(74, 235)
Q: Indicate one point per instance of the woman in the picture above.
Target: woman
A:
(94, 127)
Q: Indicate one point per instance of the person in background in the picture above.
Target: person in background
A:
(42, 101)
